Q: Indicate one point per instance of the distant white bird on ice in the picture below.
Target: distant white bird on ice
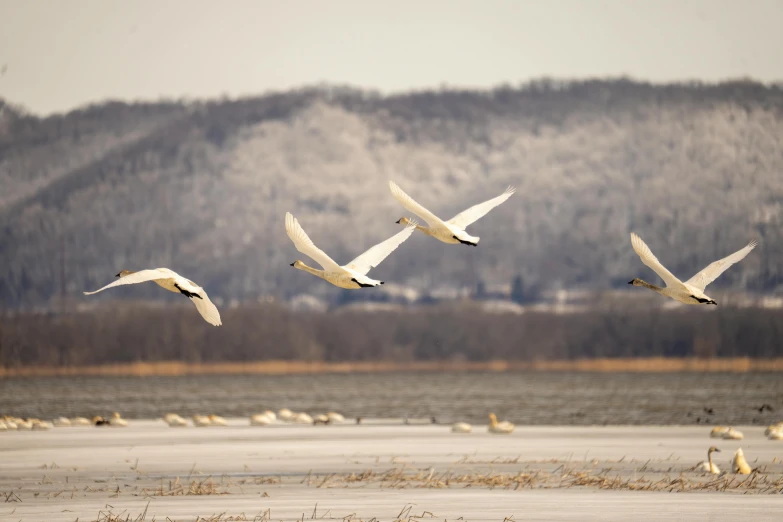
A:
(173, 282)
(692, 290)
(350, 276)
(453, 230)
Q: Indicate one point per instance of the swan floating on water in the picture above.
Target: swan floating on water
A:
(709, 466)
(692, 290)
(173, 282)
(350, 276)
(461, 427)
(453, 230)
(739, 464)
(62, 422)
(499, 427)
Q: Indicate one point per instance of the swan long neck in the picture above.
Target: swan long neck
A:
(709, 458)
(406, 221)
(310, 270)
(640, 282)
(493, 421)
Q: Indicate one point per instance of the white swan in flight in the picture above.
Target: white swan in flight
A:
(453, 230)
(173, 282)
(692, 290)
(350, 276)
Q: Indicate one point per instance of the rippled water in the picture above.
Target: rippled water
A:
(523, 397)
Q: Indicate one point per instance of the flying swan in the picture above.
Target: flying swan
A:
(350, 276)
(453, 230)
(173, 282)
(692, 290)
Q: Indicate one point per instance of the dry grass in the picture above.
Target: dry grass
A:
(563, 477)
(176, 368)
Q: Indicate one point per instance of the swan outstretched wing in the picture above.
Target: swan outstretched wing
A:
(476, 212)
(206, 308)
(649, 259)
(305, 245)
(381, 251)
(711, 273)
(412, 206)
(141, 276)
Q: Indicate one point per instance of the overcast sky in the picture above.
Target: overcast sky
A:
(59, 55)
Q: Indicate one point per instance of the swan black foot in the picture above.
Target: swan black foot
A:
(701, 300)
(464, 242)
(361, 284)
(186, 293)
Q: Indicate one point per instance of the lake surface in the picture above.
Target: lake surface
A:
(527, 398)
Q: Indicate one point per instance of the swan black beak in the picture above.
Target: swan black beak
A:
(717, 450)
(118, 275)
(398, 221)
(630, 282)
(381, 282)
(713, 302)
(292, 264)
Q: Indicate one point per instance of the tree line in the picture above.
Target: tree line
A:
(120, 332)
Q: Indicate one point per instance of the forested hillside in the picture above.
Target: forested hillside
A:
(203, 188)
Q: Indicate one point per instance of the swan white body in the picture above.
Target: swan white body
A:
(453, 230)
(776, 434)
(778, 426)
(335, 417)
(350, 276)
(718, 432)
(461, 427)
(62, 422)
(285, 415)
(708, 466)
(174, 420)
(117, 421)
(302, 418)
(739, 464)
(733, 434)
(499, 427)
(261, 419)
(80, 421)
(39, 425)
(201, 421)
(692, 290)
(173, 282)
(216, 420)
